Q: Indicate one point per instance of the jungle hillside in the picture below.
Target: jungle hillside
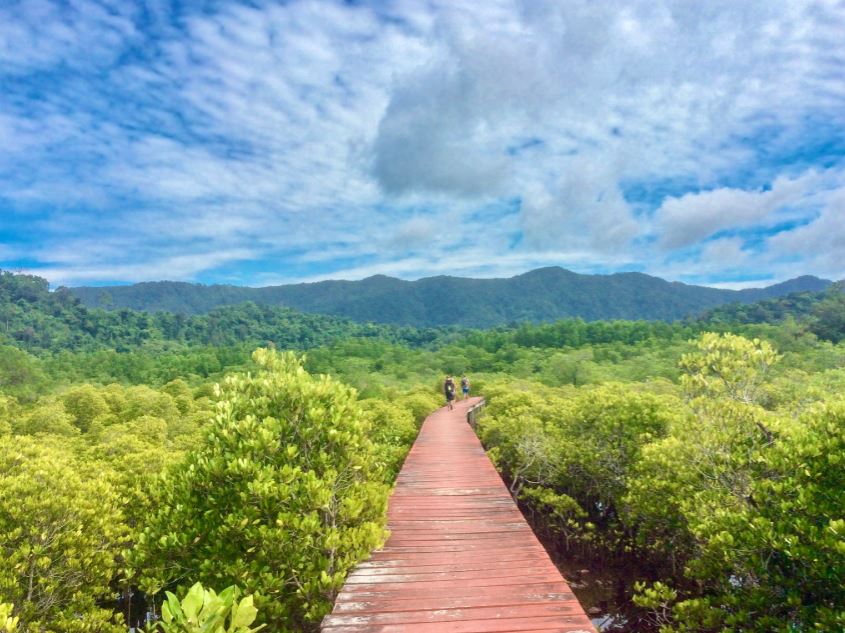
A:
(545, 294)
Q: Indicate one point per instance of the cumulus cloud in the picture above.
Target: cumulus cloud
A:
(649, 92)
(725, 252)
(785, 235)
(574, 215)
(687, 219)
(416, 233)
(582, 133)
(583, 209)
(819, 245)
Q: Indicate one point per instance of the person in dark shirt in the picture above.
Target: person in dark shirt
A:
(449, 390)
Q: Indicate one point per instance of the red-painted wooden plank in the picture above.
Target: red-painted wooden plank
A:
(460, 557)
(501, 592)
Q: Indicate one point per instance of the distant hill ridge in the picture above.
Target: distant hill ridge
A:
(544, 294)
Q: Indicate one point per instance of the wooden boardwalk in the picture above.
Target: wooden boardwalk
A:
(460, 558)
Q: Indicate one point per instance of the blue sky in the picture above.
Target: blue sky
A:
(271, 142)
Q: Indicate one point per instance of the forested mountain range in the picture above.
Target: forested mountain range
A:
(545, 294)
(73, 341)
(37, 320)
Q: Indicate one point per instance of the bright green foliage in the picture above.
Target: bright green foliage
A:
(828, 317)
(283, 496)
(203, 611)
(517, 429)
(739, 508)
(609, 426)
(727, 365)
(421, 404)
(143, 400)
(84, 404)
(82, 492)
(48, 416)
(181, 393)
(21, 375)
(8, 410)
(111, 411)
(802, 518)
(136, 453)
(755, 524)
(703, 469)
(570, 458)
(8, 623)
(559, 512)
(61, 528)
(747, 504)
(658, 599)
(393, 432)
(571, 368)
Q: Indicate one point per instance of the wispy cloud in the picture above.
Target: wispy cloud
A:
(264, 141)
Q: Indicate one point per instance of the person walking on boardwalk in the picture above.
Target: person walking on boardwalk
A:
(449, 390)
(465, 386)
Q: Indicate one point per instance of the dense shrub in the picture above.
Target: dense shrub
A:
(283, 496)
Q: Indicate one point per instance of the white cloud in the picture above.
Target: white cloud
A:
(692, 217)
(583, 209)
(741, 285)
(652, 91)
(368, 131)
(779, 252)
(39, 34)
(415, 233)
(727, 253)
(819, 245)
(173, 267)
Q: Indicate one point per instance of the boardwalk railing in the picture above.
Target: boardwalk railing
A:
(460, 558)
(473, 412)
